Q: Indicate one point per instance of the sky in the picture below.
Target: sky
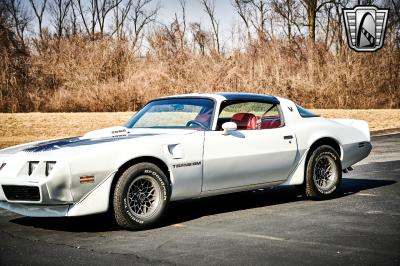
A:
(225, 14)
(195, 12)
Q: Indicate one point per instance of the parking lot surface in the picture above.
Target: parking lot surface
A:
(265, 227)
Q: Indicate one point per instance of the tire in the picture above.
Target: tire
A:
(141, 196)
(320, 182)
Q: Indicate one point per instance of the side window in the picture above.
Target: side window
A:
(250, 115)
(304, 112)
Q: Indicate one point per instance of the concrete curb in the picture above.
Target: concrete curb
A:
(382, 132)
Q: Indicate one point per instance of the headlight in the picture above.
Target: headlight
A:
(32, 167)
(49, 167)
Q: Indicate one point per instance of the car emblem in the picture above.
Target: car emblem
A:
(365, 27)
(290, 108)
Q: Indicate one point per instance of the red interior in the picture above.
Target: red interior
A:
(270, 122)
(244, 120)
(203, 118)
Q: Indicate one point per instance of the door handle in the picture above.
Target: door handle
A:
(288, 137)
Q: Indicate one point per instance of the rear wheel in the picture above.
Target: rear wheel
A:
(141, 196)
(323, 174)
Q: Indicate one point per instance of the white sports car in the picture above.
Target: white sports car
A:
(182, 147)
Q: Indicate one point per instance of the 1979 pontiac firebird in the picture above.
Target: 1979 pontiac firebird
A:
(182, 147)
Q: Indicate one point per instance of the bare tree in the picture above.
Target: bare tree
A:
(165, 41)
(241, 7)
(140, 16)
(59, 10)
(209, 8)
(177, 30)
(182, 31)
(200, 37)
(312, 7)
(337, 16)
(91, 22)
(19, 16)
(324, 25)
(182, 3)
(39, 7)
(260, 14)
(395, 5)
(119, 17)
(393, 23)
(288, 10)
(73, 19)
(103, 7)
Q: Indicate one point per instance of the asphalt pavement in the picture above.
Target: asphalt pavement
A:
(265, 227)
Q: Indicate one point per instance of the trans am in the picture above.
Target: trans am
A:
(182, 147)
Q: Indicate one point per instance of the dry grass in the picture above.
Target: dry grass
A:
(26, 127)
(79, 75)
(378, 119)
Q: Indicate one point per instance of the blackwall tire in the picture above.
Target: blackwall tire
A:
(323, 173)
(141, 197)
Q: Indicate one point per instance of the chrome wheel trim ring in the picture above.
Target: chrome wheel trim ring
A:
(143, 196)
(325, 173)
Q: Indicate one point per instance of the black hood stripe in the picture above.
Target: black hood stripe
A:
(76, 141)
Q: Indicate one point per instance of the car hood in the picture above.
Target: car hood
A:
(106, 135)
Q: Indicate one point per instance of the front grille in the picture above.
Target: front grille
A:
(22, 193)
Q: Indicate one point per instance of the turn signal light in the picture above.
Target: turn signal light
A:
(32, 167)
(49, 167)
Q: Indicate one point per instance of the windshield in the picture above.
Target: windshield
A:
(174, 113)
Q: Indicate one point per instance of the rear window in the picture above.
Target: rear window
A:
(304, 112)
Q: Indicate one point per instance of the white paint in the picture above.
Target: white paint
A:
(241, 160)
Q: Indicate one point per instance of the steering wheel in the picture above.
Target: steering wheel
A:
(197, 123)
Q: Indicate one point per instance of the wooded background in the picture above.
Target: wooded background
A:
(114, 55)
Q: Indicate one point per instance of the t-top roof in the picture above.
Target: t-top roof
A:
(231, 96)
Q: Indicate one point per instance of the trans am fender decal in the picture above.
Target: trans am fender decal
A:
(186, 164)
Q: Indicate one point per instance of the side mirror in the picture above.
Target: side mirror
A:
(228, 127)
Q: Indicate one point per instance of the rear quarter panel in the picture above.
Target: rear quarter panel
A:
(310, 130)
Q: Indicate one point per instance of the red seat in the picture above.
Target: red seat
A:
(270, 122)
(244, 120)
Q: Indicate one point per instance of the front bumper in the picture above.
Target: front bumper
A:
(29, 192)
(94, 201)
(36, 210)
(43, 207)
(59, 192)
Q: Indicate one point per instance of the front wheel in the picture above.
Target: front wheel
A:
(323, 173)
(141, 196)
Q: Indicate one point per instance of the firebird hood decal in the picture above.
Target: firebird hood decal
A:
(76, 141)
